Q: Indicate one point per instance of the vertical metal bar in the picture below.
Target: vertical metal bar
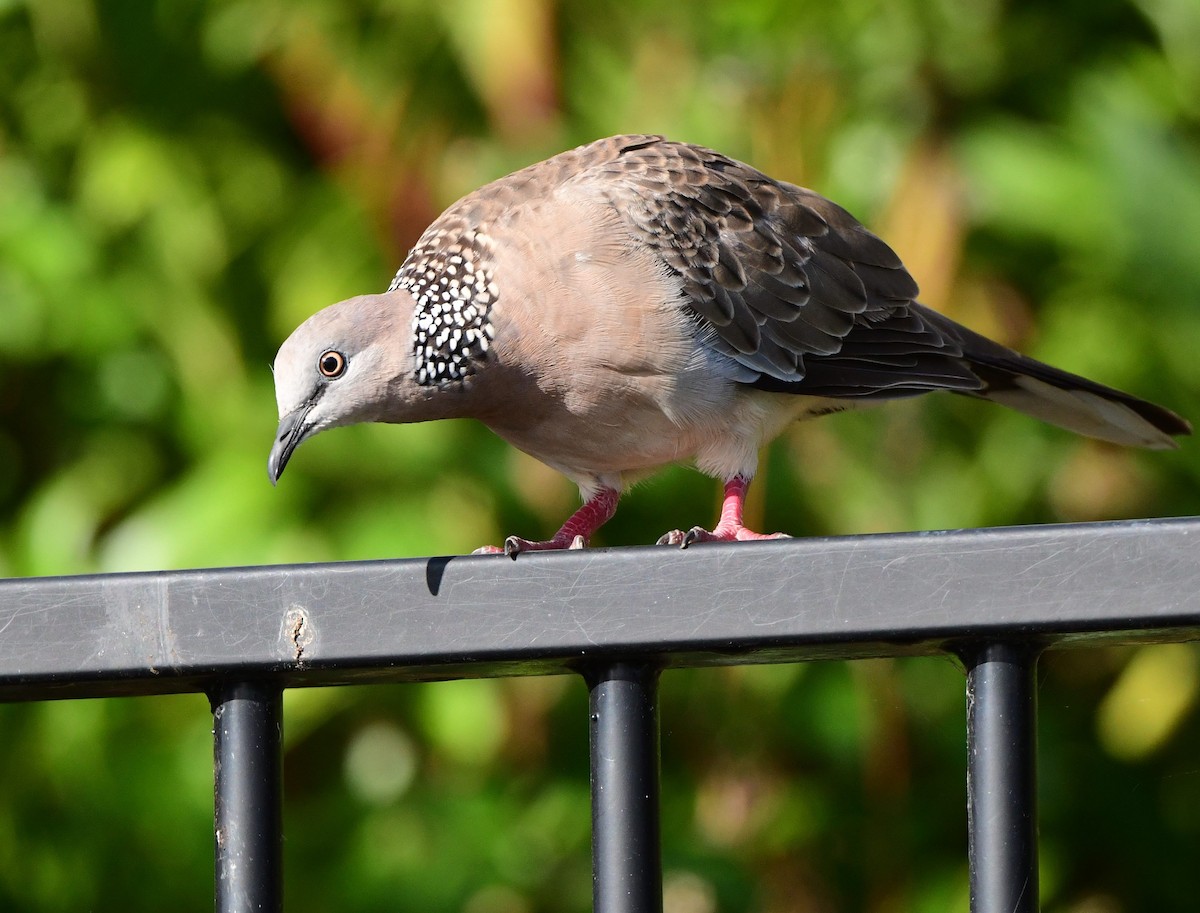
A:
(247, 737)
(626, 849)
(1002, 777)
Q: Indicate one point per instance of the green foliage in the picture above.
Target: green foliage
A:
(181, 184)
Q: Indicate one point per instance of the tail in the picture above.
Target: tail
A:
(1062, 398)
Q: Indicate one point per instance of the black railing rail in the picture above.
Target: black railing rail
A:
(995, 598)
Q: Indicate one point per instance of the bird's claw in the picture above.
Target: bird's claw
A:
(690, 537)
(700, 534)
(678, 537)
(514, 545)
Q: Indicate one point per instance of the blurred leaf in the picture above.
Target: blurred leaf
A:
(182, 184)
(1148, 701)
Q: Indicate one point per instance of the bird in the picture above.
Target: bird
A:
(637, 302)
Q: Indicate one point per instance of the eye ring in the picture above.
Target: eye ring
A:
(332, 364)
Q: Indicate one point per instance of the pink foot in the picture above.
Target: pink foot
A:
(729, 527)
(575, 533)
(514, 545)
(700, 534)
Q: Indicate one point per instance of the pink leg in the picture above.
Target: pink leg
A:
(729, 527)
(575, 533)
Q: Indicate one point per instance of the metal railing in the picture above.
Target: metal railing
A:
(995, 598)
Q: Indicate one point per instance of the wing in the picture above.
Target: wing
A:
(779, 278)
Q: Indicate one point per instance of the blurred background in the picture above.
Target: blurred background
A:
(183, 183)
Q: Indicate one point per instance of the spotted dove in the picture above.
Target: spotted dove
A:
(637, 302)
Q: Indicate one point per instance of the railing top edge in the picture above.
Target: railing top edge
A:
(799, 546)
(468, 616)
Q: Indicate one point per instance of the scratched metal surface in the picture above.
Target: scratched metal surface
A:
(432, 618)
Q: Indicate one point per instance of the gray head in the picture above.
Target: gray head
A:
(351, 362)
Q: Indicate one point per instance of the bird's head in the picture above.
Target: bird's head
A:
(350, 362)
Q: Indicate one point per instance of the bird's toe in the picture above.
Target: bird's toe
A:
(488, 550)
(515, 545)
(721, 534)
(747, 535)
(684, 538)
(699, 534)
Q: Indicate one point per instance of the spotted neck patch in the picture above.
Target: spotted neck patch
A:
(453, 289)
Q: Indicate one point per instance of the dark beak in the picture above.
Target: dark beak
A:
(292, 430)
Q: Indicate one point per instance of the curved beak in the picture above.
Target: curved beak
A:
(292, 430)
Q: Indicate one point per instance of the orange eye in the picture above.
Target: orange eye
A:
(332, 364)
